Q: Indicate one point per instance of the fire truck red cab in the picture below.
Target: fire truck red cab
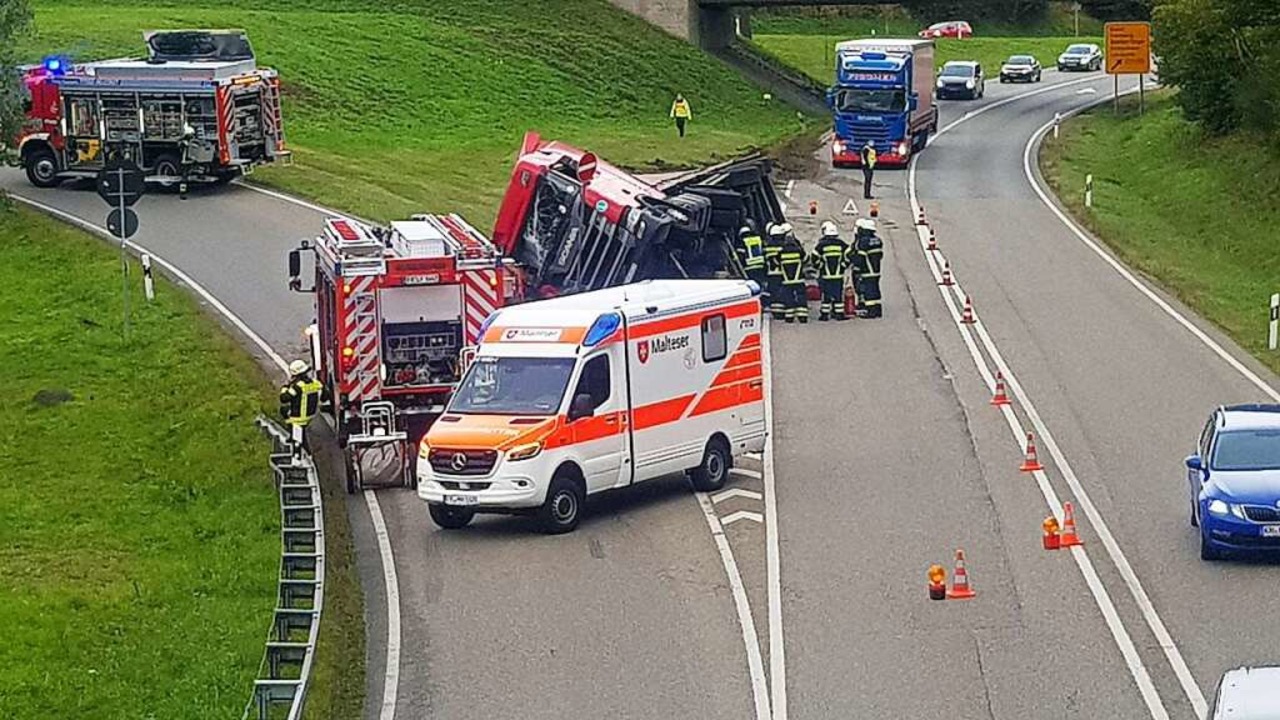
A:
(398, 310)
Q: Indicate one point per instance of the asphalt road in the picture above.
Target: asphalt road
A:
(888, 458)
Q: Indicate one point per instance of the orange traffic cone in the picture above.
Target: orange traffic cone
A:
(875, 208)
(813, 207)
(1052, 540)
(850, 302)
(1000, 398)
(966, 317)
(960, 588)
(920, 219)
(933, 240)
(946, 275)
(1031, 463)
(937, 582)
(1069, 536)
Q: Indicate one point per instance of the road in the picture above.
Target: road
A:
(887, 458)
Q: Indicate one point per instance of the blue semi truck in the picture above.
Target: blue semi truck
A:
(883, 93)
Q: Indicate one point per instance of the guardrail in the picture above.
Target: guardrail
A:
(280, 690)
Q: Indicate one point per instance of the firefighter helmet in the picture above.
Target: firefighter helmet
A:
(866, 224)
(829, 229)
(299, 367)
(777, 230)
(748, 228)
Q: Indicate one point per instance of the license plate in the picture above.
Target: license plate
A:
(473, 500)
(1271, 531)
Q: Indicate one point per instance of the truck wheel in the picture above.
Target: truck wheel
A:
(42, 169)
(713, 472)
(563, 507)
(450, 518)
(167, 165)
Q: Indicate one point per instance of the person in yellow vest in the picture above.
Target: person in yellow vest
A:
(299, 402)
(868, 161)
(681, 112)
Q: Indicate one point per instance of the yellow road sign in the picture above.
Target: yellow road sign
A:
(1128, 49)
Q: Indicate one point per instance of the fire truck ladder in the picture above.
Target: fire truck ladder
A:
(275, 119)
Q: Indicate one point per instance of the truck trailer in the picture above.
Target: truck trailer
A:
(883, 94)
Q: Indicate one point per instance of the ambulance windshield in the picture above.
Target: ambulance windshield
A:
(513, 386)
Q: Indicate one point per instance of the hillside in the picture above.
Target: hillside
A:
(411, 106)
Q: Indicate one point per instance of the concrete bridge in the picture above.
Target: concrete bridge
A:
(711, 24)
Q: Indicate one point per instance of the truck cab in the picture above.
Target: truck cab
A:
(882, 95)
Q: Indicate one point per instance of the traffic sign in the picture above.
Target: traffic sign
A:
(130, 223)
(587, 167)
(1128, 49)
(121, 182)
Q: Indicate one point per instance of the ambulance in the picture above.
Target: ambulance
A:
(572, 396)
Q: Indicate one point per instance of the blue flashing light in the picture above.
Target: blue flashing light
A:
(484, 326)
(602, 329)
(754, 287)
(55, 64)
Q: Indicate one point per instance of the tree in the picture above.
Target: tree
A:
(1117, 9)
(1017, 12)
(15, 20)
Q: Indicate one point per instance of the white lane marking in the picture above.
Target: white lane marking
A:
(745, 472)
(773, 576)
(750, 640)
(327, 212)
(791, 185)
(1086, 91)
(934, 260)
(753, 455)
(391, 681)
(1129, 276)
(1001, 103)
(735, 492)
(741, 515)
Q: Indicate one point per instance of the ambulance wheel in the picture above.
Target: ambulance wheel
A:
(712, 473)
(450, 518)
(42, 169)
(563, 507)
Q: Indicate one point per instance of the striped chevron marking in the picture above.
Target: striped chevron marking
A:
(481, 296)
(360, 328)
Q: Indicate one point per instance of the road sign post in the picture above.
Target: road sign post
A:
(1128, 52)
(120, 184)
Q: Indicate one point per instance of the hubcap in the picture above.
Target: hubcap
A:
(715, 467)
(564, 507)
(45, 169)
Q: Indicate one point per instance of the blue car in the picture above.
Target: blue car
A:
(1235, 481)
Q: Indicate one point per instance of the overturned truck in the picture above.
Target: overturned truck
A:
(575, 223)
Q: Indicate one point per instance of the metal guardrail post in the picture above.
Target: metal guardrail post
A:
(280, 689)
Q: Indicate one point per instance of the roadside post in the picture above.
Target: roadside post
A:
(148, 283)
(120, 184)
(1088, 190)
(1057, 120)
(1275, 321)
(1128, 52)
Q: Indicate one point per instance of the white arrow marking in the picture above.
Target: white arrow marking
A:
(746, 472)
(753, 455)
(1087, 91)
(736, 492)
(741, 515)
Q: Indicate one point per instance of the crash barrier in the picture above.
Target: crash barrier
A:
(280, 689)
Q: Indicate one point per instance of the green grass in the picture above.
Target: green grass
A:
(891, 20)
(1196, 214)
(421, 105)
(814, 55)
(139, 528)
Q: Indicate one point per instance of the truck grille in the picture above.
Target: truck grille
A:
(452, 485)
(462, 462)
(875, 132)
(1262, 514)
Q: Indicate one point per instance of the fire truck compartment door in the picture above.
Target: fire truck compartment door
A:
(423, 303)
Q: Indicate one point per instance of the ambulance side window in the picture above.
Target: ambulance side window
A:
(715, 343)
(595, 381)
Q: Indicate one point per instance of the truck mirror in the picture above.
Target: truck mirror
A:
(581, 407)
(913, 102)
(831, 98)
(295, 264)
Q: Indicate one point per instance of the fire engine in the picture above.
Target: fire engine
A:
(196, 108)
(398, 310)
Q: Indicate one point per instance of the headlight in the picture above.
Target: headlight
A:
(968, 84)
(902, 148)
(837, 147)
(1218, 507)
(1062, 58)
(940, 83)
(524, 452)
(424, 449)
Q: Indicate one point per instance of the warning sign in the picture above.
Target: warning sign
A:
(850, 208)
(1128, 49)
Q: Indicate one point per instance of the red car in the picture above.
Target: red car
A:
(949, 29)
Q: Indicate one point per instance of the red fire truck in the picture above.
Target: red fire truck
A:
(398, 310)
(196, 108)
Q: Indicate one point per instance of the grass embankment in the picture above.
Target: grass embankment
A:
(419, 105)
(814, 55)
(1196, 214)
(139, 529)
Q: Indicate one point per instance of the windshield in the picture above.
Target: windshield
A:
(513, 386)
(1247, 450)
(1021, 60)
(940, 26)
(1078, 50)
(957, 71)
(850, 100)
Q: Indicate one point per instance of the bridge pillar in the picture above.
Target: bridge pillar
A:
(712, 28)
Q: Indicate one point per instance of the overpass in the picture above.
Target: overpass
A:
(712, 24)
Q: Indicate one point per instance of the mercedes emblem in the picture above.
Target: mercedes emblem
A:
(459, 461)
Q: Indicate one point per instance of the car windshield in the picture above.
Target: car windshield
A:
(957, 71)
(1240, 450)
(861, 100)
(940, 26)
(1078, 50)
(513, 386)
(1021, 60)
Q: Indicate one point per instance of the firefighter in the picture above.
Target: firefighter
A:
(831, 258)
(792, 263)
(773, 271)
(681, 112)
(751, 252)
(866, 254)
(867, 156)
(299, 401)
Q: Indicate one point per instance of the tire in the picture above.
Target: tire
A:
(1003, 80)
(353, 474)
(1037, 77)
(1208, 553)
(450, 518)
(1195, 520)
(42, 168)
(562, 509)
(713, 472)
(167, 164)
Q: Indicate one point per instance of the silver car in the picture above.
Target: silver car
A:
(961, 79)
(1080, 56)
(1247, 693)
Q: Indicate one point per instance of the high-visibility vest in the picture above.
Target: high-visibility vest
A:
(771, 266)
(869, 251)
(791, 261)
(868, 156)
(831, 258)
(300, 400)
(680, 109)
(752, 252)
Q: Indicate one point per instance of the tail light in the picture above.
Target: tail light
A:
(348, 357)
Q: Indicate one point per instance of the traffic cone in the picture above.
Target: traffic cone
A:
(1052, 540)
(933, 240)
(946, 275)
(960, 588)
(1069, 536)
(937, 582)
(966, 317)
(920, 219)
(850, 302)
(813, 207)
(1000, 398)
(1031, 463)
(875, 208)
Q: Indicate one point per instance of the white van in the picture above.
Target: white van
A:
(579, 394)
(1247, 693)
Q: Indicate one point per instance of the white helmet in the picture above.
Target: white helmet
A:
(298, 367)
(777, 230)
(829, 229)
(866, 224)
(785, 228)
